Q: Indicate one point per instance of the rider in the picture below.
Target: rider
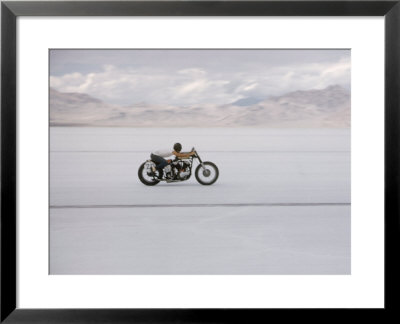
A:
(158, 157)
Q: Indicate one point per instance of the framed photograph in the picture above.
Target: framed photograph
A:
(196, 161)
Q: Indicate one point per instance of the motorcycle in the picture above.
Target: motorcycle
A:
(179, 169)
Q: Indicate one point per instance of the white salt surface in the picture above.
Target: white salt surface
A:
(280, 206)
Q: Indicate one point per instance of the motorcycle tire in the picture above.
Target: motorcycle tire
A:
(202, 175)
(144, 178)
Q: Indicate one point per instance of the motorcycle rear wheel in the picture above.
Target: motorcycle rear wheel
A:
(207, 175)
(145, 178)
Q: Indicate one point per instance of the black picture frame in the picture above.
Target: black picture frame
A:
(9, 13)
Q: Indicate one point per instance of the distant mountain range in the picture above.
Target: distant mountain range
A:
(329, 107)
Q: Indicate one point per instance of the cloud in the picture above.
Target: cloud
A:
(122, 86)
(177, 83)
(193, 72)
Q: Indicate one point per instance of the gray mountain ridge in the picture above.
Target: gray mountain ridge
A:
(329, 107)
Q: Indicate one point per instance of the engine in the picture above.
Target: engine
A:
(181, 169)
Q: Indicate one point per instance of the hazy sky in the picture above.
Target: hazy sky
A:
(186, 77)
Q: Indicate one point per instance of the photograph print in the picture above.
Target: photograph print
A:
(200, 161)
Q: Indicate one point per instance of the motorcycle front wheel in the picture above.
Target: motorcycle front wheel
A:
(206, 173)
(145, 178)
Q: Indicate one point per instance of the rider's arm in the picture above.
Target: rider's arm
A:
(183, 155)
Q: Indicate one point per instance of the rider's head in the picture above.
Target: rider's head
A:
(177, 147)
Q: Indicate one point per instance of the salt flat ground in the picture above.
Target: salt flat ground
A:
(281, 204)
